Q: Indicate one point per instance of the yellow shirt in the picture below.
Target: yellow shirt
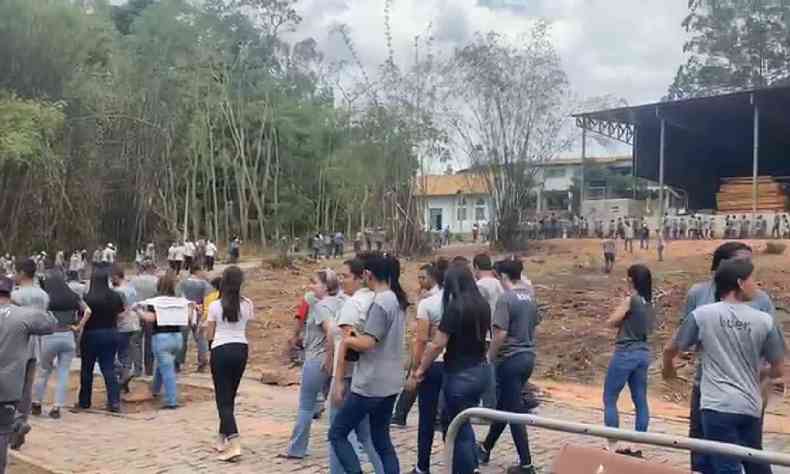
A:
(210, 298)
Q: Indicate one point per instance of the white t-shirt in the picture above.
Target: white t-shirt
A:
(179, 253)
(189, 249)
(430, 309)
(211, 249)
(228, 332)
(108, 255)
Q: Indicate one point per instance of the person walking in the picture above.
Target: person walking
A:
(17, 325)
(701, 294)
(325, 301)
(512, 350)
(628, 235)
(227, 329)
(462, 331)
(378, 373)
(179, 257)
(429, 315)
(211, 253)
(350, 321)
(128, 326)
(189, 255)
(737, 340)
(166, 341)
(195, 288)
(57, 349)
(634, 320)
(609, 249)
(99, 341)
(491, 289)
(27, 294)
(140, 344)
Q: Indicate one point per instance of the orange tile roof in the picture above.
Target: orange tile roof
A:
(451, 185)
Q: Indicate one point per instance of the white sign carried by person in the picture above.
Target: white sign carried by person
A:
(171, 310)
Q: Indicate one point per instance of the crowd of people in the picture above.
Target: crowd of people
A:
(128, 326)
(474, 344)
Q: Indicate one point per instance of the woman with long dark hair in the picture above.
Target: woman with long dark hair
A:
(462, 331)
(227, 331)
(99, 340)
(634, 320)
(57, 349)
(378, 374)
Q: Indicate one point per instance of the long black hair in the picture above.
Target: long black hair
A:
(385, 268)
(100, 285)
(61, 297)
(729, 276)
(642, 280)
(230, 289)
(462, 295)
(727, 251)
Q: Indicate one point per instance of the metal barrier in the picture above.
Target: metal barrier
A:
(656, 439)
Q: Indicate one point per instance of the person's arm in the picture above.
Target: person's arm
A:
(496, 343)
(615, 319)
(686, 337)
(40, 323)
(328, 326)
(774, 352)
(437, 345)
(421, 339)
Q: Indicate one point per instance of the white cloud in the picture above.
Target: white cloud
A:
(626, 48)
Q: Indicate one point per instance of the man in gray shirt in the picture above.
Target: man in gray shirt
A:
(17, 325)
(701, 294)
(195, 288)
(145, 287)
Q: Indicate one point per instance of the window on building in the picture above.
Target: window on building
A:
(480, 213)
(554, 172)
(461, 214)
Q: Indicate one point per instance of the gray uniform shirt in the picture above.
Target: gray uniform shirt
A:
(704, 293)
(636, 326)
(517, 313)
(195, 289)
(379, 371)
(34, 297)
(736, 338)
(145, 286)
(17, 325)
(321, 311)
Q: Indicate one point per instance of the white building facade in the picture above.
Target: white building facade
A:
(457, 202)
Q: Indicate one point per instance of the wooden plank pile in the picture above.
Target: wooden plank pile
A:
(735, 195)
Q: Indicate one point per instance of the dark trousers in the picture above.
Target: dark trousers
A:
(99, 345)
(702, 462)
(403, 406)
(188, 262)
(148, 353)
(228, 362)
(732, 428)
(511, 376)
(209, 263)
(354, 410)
(428, 393)
(7, 411)
(462, 390)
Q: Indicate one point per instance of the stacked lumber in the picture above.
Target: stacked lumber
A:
(735, 195)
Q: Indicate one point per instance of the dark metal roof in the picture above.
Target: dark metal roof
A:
(706, 138)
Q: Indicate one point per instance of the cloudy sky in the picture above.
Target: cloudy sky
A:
(629, 48)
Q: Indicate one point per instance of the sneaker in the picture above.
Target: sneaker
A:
(483, 456)
(521, 470)
(113, 409)
(417, 471)
(55, 413)
(35, 409)
(398, 422)
(17, 437)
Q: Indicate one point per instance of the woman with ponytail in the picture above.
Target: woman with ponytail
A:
(378, 373)
(634, 320)
(227, 331)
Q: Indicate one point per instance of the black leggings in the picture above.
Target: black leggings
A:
(228, 362)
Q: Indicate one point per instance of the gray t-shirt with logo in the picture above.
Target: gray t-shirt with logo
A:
(704, 293)
(736, 338)
(517, 313)
(379, 371)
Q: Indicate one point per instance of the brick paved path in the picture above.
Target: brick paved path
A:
(180, 441)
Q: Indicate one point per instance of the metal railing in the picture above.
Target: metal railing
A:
(655, 439)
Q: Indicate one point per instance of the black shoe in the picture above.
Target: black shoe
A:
(483, 456)
(170, 407)
(35, 409)
(21, 429)
(113, 409)
(55, 413)
(521, 470)
(398, 422)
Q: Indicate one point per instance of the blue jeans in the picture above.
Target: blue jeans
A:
(99, 345)
(354, 410)
(60, 346)
(462, 390)
(360, 435)
(313, 381)
(743, 430)
(627, 367)
(511, 375)
(166, 346)
(428, 400)
(489, 397)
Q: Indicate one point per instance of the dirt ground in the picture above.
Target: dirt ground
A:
(573, 345)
